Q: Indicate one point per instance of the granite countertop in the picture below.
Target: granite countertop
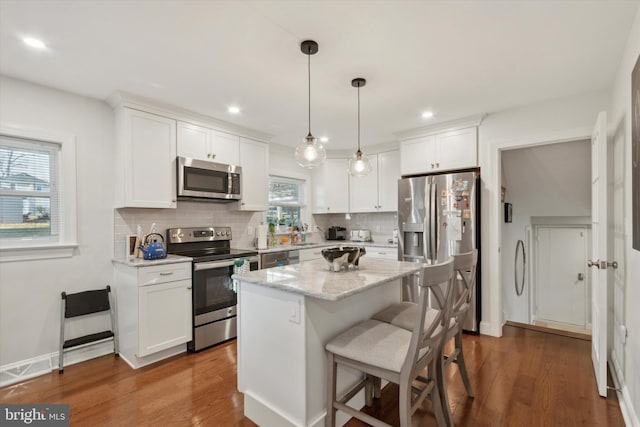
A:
(326, 244)
(314, 279)
(139, 262)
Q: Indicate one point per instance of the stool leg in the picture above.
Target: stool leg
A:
(462, 366)
(330, 418)
(61, 348)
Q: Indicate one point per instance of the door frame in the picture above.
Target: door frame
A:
(492, 262)
(534, 268)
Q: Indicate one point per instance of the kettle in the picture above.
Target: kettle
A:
(153, 249)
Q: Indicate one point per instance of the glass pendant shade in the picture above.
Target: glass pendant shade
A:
(310, 153)
(359, 165)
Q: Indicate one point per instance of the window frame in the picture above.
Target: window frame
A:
(30, 249)
(304, 202)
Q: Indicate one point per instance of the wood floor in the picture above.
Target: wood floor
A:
(526, 378)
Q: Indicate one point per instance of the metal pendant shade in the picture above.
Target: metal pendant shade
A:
(359, 164)
(311, 152)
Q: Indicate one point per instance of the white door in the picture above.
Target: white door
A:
(599, 260)
(561, 285)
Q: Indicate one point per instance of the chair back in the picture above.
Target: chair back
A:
(431, 325)
(464, 283)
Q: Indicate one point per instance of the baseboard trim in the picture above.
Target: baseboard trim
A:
(40, 365)
(549, 330)
(624, 399)
(487, 328)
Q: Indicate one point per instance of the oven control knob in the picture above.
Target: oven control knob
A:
(218, 233)
(228, 233)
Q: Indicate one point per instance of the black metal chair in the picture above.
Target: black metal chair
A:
(82, 304)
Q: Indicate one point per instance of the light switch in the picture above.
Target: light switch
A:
(294, 311)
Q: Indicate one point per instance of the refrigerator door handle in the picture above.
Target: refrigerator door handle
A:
(426, 235)
(435, 221)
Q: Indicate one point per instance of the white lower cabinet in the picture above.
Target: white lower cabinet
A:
(309, 254)
(154, 311)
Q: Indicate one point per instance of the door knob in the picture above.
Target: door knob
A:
(602, 264)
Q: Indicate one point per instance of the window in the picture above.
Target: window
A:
(286, 201)
(37, 195)
(29, 202)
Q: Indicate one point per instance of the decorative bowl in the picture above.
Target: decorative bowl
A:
(342, 256)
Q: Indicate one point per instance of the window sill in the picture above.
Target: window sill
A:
(35, 252)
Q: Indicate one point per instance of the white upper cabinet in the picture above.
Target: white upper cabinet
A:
(145, 160)
(440, 152)
(378, 191)
(254, 160)
(331, 187)
(202, 143)
(388, 175)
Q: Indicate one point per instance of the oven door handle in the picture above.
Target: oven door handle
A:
(198, 266)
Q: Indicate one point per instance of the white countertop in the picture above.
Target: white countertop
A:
(327, 244)
(139, 262)
(314, 279)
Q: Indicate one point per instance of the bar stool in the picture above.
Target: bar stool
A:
(382, 350)
(401, 315)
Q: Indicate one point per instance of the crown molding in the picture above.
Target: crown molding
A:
(463, 123)
(121, 99)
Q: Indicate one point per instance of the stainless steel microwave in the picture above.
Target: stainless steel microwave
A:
(202, 180)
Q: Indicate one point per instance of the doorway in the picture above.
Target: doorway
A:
(549, 193)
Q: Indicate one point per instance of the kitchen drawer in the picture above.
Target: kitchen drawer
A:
(309, 254)
(164, 273)
(384, 253)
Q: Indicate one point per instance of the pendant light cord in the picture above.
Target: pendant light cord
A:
(358, 117)
(309, 86)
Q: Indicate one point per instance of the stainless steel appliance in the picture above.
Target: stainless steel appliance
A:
(277, 259)
(214, 292)
(204, 180)
(336, 233)
(439, 216)
(360, 235)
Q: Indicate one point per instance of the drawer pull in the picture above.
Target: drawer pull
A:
(189, 287)
(166, 273)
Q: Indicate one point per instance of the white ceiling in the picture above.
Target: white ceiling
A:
(457, 58)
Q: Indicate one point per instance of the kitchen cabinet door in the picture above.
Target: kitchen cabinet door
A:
(164, 316)
(388, 175)
(418, 155)
(254, 159)
(193, 141)
(202, 143)
(145, 160)
(225, 148)
(363, 190)
(331, 187)
(457, 149)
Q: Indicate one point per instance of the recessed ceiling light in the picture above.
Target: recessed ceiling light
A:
(427, 114)
(324, 139)
(35, 43)
(233, 110)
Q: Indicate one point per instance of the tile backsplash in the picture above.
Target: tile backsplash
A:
(187, 214)
(197, 214)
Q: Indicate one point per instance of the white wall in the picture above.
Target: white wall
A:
(30, 290)
(627, 278)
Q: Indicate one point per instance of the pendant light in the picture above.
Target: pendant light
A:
(359, 164)
(311, 152)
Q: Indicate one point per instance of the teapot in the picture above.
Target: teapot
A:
(152, 248)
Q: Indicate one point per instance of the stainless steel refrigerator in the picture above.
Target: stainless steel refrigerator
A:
(439, 216)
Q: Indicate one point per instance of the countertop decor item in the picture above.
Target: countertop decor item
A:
(311, 152)
(343, 256)
(359, 164)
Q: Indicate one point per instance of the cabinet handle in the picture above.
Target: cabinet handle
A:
(166, 273)
(209, 155)
(213, 156)
(189, 287)
(432, 166)
(437, 165)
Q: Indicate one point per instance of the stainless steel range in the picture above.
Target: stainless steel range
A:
(214, 292)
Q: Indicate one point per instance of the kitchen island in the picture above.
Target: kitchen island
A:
(286, 315)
